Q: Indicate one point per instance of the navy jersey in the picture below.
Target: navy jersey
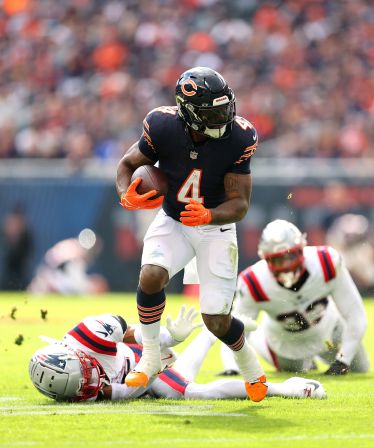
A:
(195, 171)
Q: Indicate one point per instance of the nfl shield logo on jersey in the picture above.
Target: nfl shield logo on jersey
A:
(193, 155)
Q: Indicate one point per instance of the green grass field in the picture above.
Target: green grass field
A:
(27, 418)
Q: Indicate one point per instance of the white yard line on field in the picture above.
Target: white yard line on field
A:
(201, 441)
(121, 411)
(101, 406)
(181, 410)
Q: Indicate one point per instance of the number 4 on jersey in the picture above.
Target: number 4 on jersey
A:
(191, 187)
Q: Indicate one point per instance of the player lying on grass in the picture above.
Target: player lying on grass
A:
(93, 359)
(312, 306)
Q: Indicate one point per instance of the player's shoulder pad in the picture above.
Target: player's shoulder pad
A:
(157, 122)
(251, 279)
(246, 138)
(330, 261)
(159, 116)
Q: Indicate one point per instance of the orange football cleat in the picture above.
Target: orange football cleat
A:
(257, 390)
(136, 378)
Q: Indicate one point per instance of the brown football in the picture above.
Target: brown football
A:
(152, 178)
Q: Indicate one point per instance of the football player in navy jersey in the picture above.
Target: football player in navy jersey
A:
(204, 149)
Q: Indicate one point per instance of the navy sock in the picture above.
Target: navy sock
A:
(150, 306)
(234, 337)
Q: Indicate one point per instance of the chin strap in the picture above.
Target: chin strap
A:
(215, 133)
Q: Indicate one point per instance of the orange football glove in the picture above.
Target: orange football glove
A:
(131, 200)
(196, 214)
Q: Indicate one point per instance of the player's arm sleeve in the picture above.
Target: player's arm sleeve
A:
(248, 145)
(148, 140)
(166, 340)
(350, 305)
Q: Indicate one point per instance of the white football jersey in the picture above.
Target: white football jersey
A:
(299, 323)
(101, 337)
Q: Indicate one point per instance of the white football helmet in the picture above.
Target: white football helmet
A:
(64, 374)
(281, 245)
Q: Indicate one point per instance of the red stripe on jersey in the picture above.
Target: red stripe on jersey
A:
(327, 264)
(95, 338)
(254, 286)
(174, 380)
(87, 338)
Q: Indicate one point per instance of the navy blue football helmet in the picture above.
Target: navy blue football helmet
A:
(205, 102)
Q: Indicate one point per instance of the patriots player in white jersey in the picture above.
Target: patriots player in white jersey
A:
(93, 359)
(311, 305)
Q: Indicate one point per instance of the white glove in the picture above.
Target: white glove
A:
(183, 325)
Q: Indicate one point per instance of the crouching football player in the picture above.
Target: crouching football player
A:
(92, 360)
(312, 306)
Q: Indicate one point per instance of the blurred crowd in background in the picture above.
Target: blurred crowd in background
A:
(78, 76)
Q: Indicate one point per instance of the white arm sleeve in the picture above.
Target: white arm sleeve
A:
(166, 340)
(349, 303)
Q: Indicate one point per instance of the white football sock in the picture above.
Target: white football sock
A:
(248, 363)
(150, 362)
(218, 389)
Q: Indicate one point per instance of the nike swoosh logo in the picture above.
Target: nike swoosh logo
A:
(170, 356)
(104, 333)
(222, 230)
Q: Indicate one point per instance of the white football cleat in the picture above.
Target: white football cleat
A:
(305, 388)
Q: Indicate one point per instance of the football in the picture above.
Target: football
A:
(152, 178)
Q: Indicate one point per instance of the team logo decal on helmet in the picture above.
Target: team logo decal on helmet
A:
(193, 86)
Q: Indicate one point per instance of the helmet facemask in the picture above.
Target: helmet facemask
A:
(211, 121)
(287, 266)
(92, 377)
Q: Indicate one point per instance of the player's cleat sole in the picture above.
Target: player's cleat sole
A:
(136, 378)
(256, 391)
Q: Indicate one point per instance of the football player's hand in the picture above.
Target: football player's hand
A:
(183, 325)
(337, 368)
(131, 200)
(195, 214)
